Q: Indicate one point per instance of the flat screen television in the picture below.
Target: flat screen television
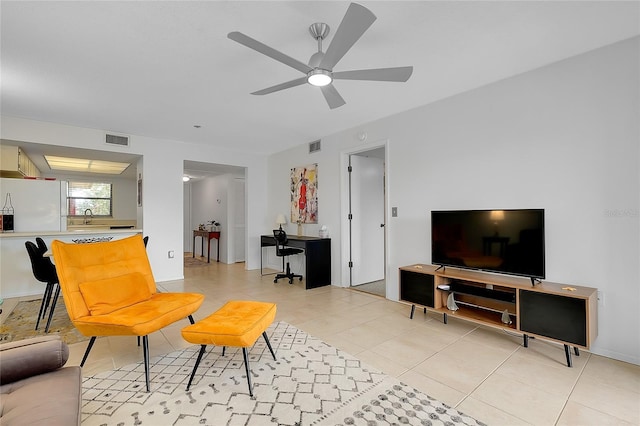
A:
(502, 241)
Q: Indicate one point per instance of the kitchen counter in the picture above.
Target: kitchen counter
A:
(97, 229)
(16, 276)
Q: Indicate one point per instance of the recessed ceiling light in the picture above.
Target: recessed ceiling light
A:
(186, 178)
(85, 165)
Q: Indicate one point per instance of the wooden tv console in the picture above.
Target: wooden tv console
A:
(552, 311)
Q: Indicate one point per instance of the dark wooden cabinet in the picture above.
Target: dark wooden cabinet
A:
(417, 288)
(557, 317)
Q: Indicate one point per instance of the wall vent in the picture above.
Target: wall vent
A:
(314, 146)
(116, 140)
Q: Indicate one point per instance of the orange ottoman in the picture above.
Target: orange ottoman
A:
(237, 323)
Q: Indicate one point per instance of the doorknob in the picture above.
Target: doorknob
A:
(382, 225)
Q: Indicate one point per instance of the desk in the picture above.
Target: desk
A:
(208, 235)
(317, 253)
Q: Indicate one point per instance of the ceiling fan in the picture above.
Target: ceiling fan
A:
(319, 72)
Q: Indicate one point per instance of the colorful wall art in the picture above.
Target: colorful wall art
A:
(304, 194)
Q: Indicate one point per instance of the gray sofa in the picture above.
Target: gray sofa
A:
(35, 387)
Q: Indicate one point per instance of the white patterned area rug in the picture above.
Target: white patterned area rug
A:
(311, 383)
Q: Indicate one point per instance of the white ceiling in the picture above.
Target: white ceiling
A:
(159, 68)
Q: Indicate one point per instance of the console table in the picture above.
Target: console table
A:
(566, 314)
(317, 253)
(208, 235)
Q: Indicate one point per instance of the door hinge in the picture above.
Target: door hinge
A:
(349, 169)
(350, 217)
(350, 264)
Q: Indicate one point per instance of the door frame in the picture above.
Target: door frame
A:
(345, 242)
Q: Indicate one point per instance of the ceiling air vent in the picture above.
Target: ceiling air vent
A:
(314, 146)
(117, 140)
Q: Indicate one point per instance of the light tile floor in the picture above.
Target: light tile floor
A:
(484, 372)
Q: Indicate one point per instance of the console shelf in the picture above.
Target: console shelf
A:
(552, 311)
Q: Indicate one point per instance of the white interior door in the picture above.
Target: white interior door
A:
(187, 229)
(367, 223)
(239, 224)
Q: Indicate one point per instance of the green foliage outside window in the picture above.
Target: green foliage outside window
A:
(89, 195)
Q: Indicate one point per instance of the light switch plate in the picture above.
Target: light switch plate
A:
(394, 212)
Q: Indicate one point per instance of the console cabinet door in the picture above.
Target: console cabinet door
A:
(417, 288)
(557, 317)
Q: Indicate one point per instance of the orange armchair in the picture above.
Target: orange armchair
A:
(109, 290)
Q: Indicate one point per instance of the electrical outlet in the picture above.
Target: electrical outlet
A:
(600, 298)
(171, 254)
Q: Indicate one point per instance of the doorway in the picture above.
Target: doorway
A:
(216, 193)
(366, 188)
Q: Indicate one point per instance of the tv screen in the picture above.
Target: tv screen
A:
(503, 241)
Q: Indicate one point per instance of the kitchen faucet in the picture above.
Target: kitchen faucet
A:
(87, 221)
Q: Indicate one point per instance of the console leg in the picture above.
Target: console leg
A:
(567, 352)
(576, 351)
(425, 310)
(445, 317)
(413, 309)
(525, 340)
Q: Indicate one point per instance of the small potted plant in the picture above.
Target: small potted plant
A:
(214, 225)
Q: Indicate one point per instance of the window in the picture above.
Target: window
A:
(89, 195)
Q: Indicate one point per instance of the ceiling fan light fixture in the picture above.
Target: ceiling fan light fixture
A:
(319, 78)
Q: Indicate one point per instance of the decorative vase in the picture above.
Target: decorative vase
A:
(506, 319)
(451, 303)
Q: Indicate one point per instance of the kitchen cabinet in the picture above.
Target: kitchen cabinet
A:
(15, 163)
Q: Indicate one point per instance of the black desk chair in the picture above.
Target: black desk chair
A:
(45, 271)
(283, 251)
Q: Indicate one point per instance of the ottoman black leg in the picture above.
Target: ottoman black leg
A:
(195, 367)
(246, 367)
(266, 339)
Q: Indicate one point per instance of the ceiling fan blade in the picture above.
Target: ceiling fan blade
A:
(355, 22)
(332, 96)
(254, 44)
(400, 74)
(281, 86)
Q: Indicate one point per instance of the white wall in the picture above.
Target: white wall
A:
(162, 169)
(564, 138)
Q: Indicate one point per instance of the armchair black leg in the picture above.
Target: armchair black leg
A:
(145, 350)
(86, 353)
(191, 319)
(53, 308)
(195, 367)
